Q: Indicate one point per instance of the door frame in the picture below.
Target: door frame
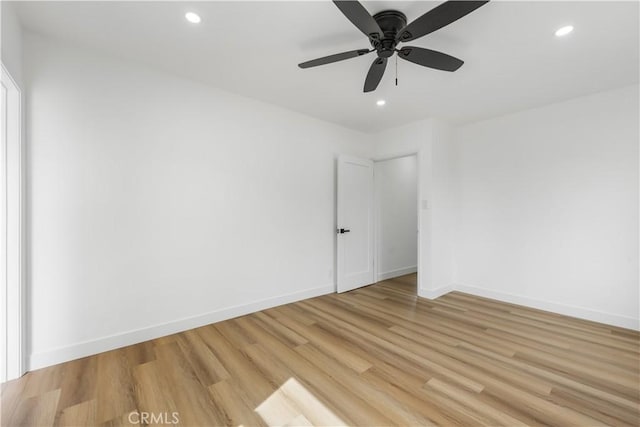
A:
(376, 213)
(13, 295)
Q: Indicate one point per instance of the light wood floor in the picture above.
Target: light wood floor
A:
(374, 356)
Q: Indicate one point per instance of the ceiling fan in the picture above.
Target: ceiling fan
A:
(388, 28)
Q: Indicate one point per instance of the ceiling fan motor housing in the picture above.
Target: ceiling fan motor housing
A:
(390, 22)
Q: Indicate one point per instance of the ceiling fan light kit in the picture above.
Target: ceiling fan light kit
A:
(388, 28)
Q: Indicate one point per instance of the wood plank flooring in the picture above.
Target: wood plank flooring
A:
(375, 356)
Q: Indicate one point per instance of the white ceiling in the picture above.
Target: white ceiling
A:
(513, 61)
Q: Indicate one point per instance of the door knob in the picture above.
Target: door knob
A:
(343, 230)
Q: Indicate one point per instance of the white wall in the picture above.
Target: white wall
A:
(397, 217)
(157, 204)
(443, 211)
(427, 138)
(547, 207)
(11, 41)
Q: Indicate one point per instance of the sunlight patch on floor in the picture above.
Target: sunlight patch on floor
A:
(293, 405)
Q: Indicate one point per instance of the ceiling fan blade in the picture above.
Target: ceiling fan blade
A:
(334, 58)
(376, 71)
(430, 58)
(358, 15)
(436, 18)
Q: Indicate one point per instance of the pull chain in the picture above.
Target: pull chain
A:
(396, 69)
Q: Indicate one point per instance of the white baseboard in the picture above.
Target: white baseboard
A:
(434, 293)
(397, 273)
(568, 310)
(88, 348)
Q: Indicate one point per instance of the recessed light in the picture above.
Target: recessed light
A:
(564, 30)
(194, 18)
(380, 102)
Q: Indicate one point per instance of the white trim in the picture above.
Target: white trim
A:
(88, 348)
(376, 228)
(554, 307)
(14, 299)
(397, 272)
(435, 293)
(409, 153)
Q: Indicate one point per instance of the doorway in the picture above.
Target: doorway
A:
(11, 292)
(396, 213)
(377, 222)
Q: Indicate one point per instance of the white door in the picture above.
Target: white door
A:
(355, 223)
